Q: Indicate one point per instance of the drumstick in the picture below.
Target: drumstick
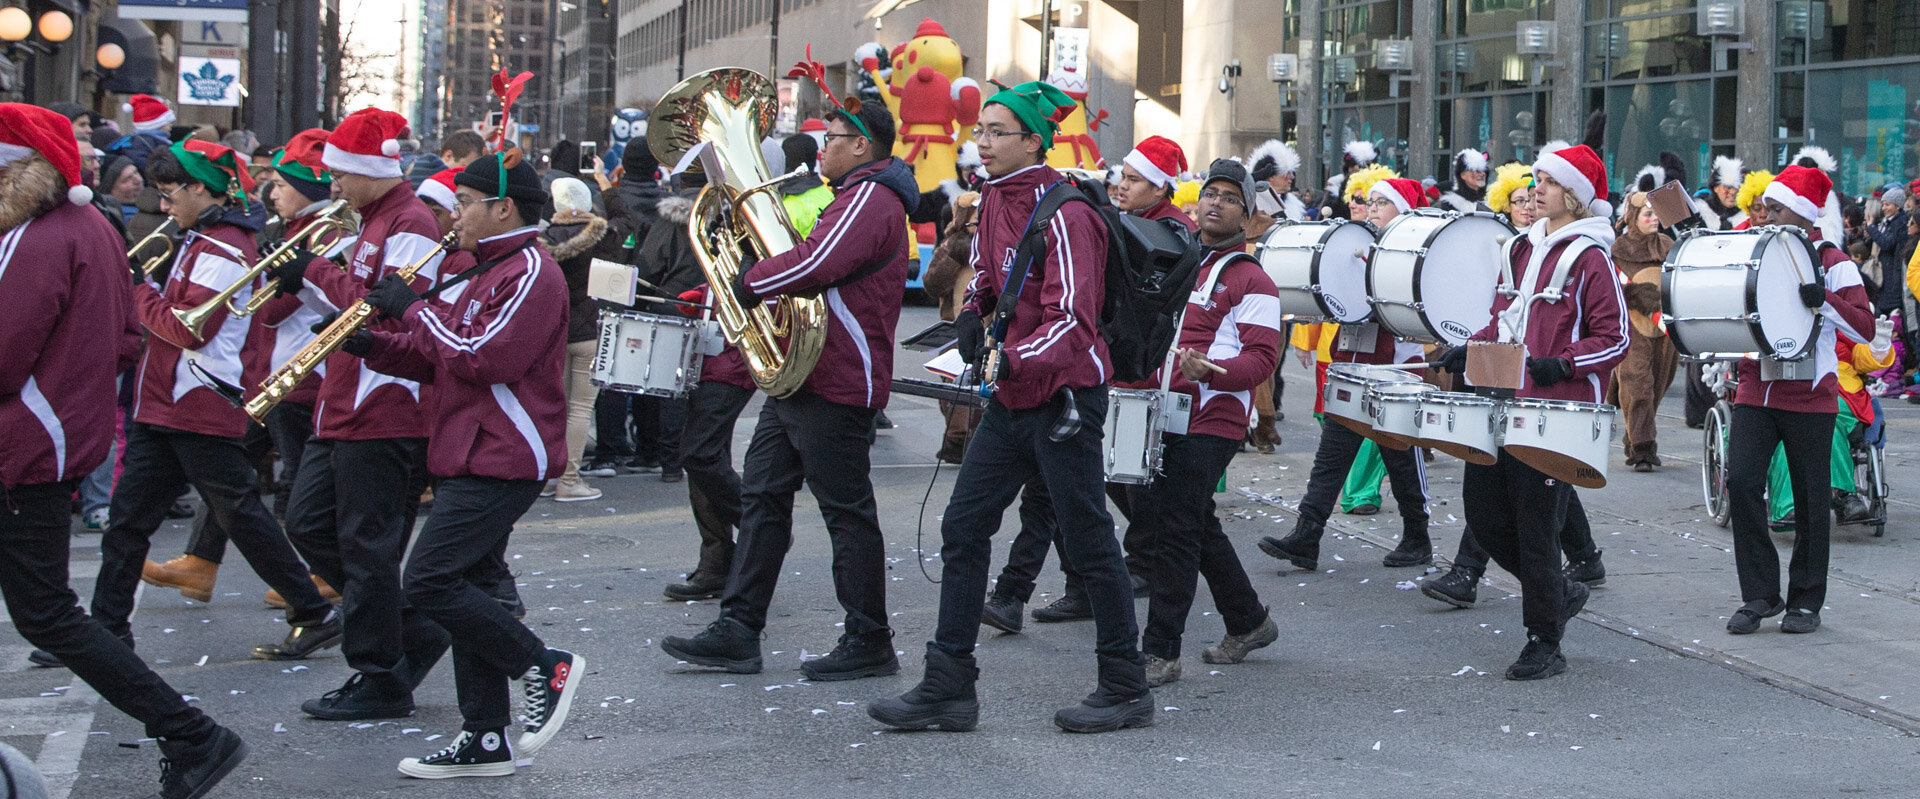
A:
(1217, 368)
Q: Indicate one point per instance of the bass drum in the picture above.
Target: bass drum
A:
(1320, 270)
(1730, 295)
(1432, 274)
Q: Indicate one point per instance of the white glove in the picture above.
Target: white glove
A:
(1882, 337)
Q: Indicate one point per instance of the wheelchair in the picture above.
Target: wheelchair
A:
(1866, 446)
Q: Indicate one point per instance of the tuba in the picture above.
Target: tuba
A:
(737, 221)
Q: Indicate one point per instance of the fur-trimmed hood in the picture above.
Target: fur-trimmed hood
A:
(580, 232)
(675, 209)
(29, 187)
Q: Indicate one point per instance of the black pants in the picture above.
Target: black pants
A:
(1808, 439)
(208, 540)
(289, 424)
(1699, 397)
(1029, 550)
(1188, 542)
(33, 576)
(803, 438)
(160, 463)
(1576, 540)
(471, 518)
(349, 519)
(1406, 474)
(713, 487)
(1009, 449)
(610, 412)
(1137, 541)
(1516, 513)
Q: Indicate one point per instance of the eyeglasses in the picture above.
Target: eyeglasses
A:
(1380, 202)
(90, 160)
(842, 135)
(461, 205)
(990, 134)
(167, 197)
(1221, 197)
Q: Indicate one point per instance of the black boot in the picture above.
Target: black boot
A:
(1003, 613)
(1459, 587)
(697, 587)
(944, 699)
(1070, 607)
(1121, 700)
(190, 770)
(1588, 571)
(1415, 548)
(864, 655)
(726, 644)
(1301, 547)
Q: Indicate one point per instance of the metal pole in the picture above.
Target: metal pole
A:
(263, 71)
(305, 29)
(1046, 38)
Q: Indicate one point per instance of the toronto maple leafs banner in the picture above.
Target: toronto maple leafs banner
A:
(209, 81)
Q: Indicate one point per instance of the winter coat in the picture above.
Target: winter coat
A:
(170, 394)
(632, 208)
(1237, 327)
(666, 255)
(572, 238)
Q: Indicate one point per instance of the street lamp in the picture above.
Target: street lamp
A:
(1283, 69)
(1534, 39)
(110, 56)
(1395, 56)
(1229, 78)
(56, 26)
(15, 25)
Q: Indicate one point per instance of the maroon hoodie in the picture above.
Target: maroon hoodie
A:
(1847, 310)
(65, 313)
(1585, 326)
(356, 403)
(1165, 209)
(1237, 327)
(495, 354)
(1054, 340)
(170, 394)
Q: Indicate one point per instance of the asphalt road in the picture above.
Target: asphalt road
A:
(1372, 690)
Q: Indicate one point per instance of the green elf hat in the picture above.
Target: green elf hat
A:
(1040, 106)
(216, 166)
(301, 158)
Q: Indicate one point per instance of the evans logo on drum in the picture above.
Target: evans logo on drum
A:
(1334, 304)
(1453, 328)
(1785, 344)
(1342, 395)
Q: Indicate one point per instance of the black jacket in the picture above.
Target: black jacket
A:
(632, 209)
(572, 241)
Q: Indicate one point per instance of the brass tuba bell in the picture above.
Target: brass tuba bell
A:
(736, 221)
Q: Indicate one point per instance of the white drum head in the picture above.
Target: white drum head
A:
(1789, 327)
(1433, 275)
(1320, 269)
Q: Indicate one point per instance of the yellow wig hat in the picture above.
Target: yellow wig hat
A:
(1362, 181)
(1750, 189)
(1185, 193)
(1506, 179)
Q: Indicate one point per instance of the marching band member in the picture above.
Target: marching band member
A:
(820, 436)
(706, 452)
(1796, 413)
(1148, 176)
(1274, 166)
(362, 473)
(1229, 343)
(184, 432)
(1468, 190)
(1050, 394)
(495, 354)
(1340, 445)
(1514, 510)
(68, 307)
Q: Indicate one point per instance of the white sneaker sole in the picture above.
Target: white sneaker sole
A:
(594, 496)
(530, 742)
(412, 767)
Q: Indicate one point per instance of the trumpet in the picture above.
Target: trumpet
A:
(307, 361)
(193, 319)
(164, 235)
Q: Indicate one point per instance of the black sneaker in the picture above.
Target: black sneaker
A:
(1538, 661)
(304, 641)
(1746, 620)
(360, 699)
(1800, 620)
(697, 587)
(1590, 571)
(725, 644)
(603, 469)
(1572, 602)
(1004, 613)
(1069, 607)
(41, 658)
(856, 656)
(472, 754)
(549, 686)
(1298, 548)
(1410, 552)
(189, 771)
(1458, 587)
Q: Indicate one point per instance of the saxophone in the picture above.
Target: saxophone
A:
(307, 361)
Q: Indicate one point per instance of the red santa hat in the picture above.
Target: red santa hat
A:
(1406, 194)
(1579, 170)
(1803, 190)
(28, 129)
(439, 188)
(367, 143)
(1158, 159)
(149, 112)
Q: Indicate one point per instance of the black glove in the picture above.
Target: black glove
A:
(1813, 295)
(970, 335)
(291, 276)
(392, 296)
(360, 344)
(1548, 371)
(325, 322)
(742, 294)
(1455, 360)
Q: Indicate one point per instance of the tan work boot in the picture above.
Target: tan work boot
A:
(1265, 437)
(275, 600)
(191, 574)
(574, 490)
(1161, 671)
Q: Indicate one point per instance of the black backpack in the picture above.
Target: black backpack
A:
(1150, 268)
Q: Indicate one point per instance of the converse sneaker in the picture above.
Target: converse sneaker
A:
(1070, 607)
(472, 754)
(550, 685)
(189, 771)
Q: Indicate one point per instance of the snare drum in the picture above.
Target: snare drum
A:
(647, 354)
(1320, 270)
(1132, 444)
(1568, 441)
(1432, 275)
(1395, 408)
(1346, 392)
(1730, 295)
(1466, 426)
